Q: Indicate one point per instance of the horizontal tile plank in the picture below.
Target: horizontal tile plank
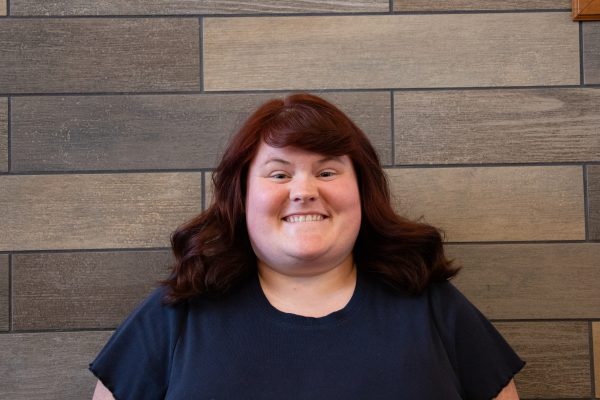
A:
(470, 5)
(166, 7)
(4, 292)
(82, 290)
(49, 365)
(596, 346)
(95, 211)
(53, 133)
(493, 126)
(391, 51)
(531, 281)
(99, 55)
(593, 192)
(557, 356)
(591, 52)
(3, 7)
(3, 134)
(496, 203)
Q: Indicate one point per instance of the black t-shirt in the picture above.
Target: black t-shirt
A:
(381, 345)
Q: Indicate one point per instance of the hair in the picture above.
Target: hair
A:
(212, 251)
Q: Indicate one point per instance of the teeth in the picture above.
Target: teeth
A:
(304, 218)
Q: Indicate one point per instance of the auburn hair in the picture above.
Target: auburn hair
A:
(212, 251)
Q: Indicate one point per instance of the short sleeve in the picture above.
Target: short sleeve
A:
(135, 363)
(483, 361)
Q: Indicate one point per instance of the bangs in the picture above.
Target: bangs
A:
(310, 129)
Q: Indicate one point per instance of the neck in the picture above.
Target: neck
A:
(313, 295)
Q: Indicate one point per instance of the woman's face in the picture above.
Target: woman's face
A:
(302, 209)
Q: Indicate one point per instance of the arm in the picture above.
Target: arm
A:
(509, 392)
(102, 393)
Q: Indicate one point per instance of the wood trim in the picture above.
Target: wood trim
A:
(586, 10)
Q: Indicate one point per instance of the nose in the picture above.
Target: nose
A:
(303, 189)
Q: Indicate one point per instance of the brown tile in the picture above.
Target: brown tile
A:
(50, 365)
(497, 126)
(596, 345)
(53, 133)
(3, 134)
(391, 51)
(3, 7)
(70, 290)
(470, 5)
(99, 55)
(557, 356)
(591, 52)
(495, 203)
(4, 304)
(94, 211)
(593, 191)
(165, 7)
(531, 281)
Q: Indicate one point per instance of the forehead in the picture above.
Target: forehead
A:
(291, 154)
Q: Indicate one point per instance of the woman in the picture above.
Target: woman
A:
(300, 282)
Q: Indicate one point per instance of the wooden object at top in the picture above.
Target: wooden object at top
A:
(586, 10)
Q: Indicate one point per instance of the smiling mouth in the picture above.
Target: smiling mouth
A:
(304, 218)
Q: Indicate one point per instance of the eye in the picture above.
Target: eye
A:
(278, 176)
(327, 174)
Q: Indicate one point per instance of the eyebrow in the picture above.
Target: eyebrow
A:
(285, 162)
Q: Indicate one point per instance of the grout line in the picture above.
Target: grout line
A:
(9, 134)
(201, 52)
(10, 294)
(491, 165)
(592, 357)
(391, 6)
(286, 90)
(581, 76)
(518, 242)
(62, 330)
(534, 320)
(586, 208)
(104, 250)
(393, 130)
(7, 8)
(113, 171)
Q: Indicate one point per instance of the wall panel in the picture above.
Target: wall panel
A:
(471, 5)
(98, 55)
(3, 134)
(447, 50)
(3, 7)
(4, 285)
(49, 365)
(69, 290)
(497, 126)
(95, 211)
(531, 281)
(596, 345)
(496, 203)
(557, 356)
(149, 7)
(52, 133)
(591, 52)
(593, 192)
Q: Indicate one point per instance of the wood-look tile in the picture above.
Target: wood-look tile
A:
(593, 192)
(591, 52)
(95, 211)
(391, 51)
(530, 281)
(53, 133)
(50, 365)
(3, 7)
(596, 346)
(497, 126)
(4, 304)
(99, 55)
(166, 7)
(557, 356)
(3, 134)
(496, 203)
(470, 5)
(82, 290)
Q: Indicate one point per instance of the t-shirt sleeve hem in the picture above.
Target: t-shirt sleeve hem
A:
(106, 383)
(506, 381)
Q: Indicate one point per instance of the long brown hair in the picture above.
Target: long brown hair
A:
(212, 251)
